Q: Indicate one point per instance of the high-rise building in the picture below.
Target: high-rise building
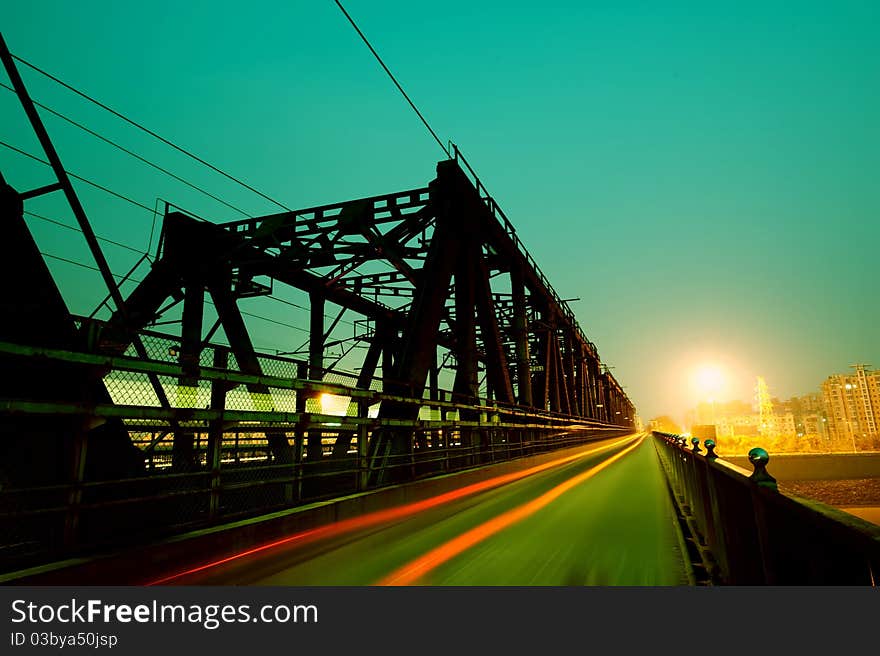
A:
(815, 425)
(808, 412)
(852, 402)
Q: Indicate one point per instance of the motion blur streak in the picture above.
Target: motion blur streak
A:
(392, 514)
(412, 572)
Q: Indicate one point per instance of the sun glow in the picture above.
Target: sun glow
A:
(709, 380)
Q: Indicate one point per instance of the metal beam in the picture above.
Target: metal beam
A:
(58, 168)
(183, 458)
(521, 339)
(242, 348)
(497, 371)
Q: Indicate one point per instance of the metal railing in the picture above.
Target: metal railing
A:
(748, 532)
(233, 445)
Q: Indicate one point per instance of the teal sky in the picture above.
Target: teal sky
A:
(704, 179)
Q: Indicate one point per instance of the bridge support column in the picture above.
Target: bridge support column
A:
(521, 339)
(465, 385)
(540, 375)
(571, 373)
(243, 349)
(215, 431)
(498, 383)
(299, 435)
(552, 373)
(183, 456)
(314, 448)
(363, 436)
(75, 492)
(428, 308)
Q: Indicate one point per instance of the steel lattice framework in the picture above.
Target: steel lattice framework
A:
(437, 274)
(433, 254)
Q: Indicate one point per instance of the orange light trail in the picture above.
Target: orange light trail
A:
(416, 569)
(389, 515)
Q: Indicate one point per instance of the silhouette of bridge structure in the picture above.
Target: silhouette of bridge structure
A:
(464, 371)
(112, 427)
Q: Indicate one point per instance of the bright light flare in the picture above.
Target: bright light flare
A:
(709, 379)
(333, 404)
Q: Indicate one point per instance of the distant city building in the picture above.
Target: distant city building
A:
(815, 424)
(852, 404)
(704, 431)
(801, 407)
(738, 425)
(711, 412)
(843, 415)
(737, 418)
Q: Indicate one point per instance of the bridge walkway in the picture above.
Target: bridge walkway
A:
(604, 517)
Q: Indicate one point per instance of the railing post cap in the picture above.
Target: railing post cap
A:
(710, 448)
(759, 456)
(759, 459)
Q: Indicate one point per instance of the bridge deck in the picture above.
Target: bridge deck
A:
(603, 519)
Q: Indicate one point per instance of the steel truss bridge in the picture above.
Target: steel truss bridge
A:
(470, 400)
(112, 428)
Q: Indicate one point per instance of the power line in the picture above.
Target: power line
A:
(302, 307)
(140, 252)
(80, 178)
(393, 79)
(133, 154)
(84, 265)
(115, 275)
(275, 321)
(76, 229)
(150, 132)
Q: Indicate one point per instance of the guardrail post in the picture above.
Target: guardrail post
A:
(302, 373)
(710, 449)
(713, 523)
(74, 495)
(762, 479)
(363, 439)
(215, 432)
(759, 459)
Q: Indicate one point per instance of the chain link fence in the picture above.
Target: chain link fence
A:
(224, 444)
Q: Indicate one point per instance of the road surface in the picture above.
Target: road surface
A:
(602, 516)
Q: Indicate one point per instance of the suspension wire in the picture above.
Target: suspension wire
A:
(140, 252)
(180, 149)
(302, 307)
(393, 79)
(153, 225)
(189, 154)
(137, 280)
(79, 177)
(167, 142)
(129, 152)
(83, 265)
(76, 229)
(275, 321)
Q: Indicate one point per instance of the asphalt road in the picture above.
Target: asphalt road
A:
(601, 518)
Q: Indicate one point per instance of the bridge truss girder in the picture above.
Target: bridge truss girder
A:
(433, 254)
